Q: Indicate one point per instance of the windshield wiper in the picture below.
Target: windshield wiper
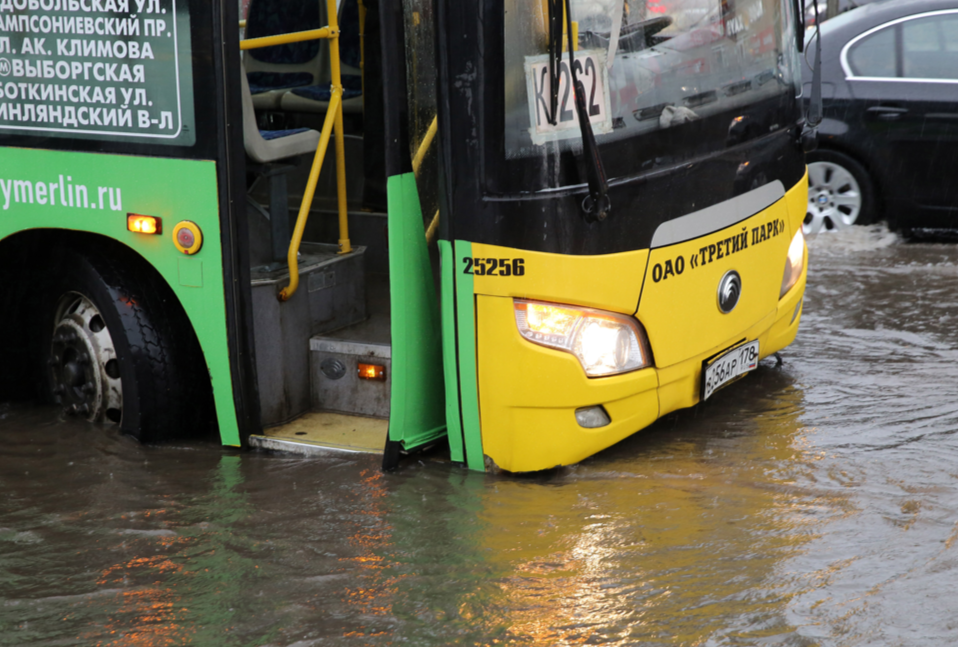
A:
(596, 205)
(555, 56)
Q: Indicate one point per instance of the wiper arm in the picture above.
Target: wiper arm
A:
(596, 205)
(555, 56)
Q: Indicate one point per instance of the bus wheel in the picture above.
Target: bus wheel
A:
(84, 370)
(116, 348)
(840, 192)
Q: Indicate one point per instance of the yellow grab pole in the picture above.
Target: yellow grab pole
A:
(337, 87)
(335, 104)
(334, 119)
(344, 246)
(424, 144)
(433, 228)
(294, 37)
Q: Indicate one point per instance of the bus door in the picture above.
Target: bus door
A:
(343, 299)
(181, 253)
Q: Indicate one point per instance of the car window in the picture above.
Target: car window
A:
(930, 48)
(874, 55)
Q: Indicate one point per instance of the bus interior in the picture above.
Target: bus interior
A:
(323, 357)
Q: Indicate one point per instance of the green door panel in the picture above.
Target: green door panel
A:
(447, 268)
(417, 414)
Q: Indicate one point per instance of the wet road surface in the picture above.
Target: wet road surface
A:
(811, 504)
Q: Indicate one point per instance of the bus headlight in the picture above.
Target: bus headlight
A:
(605, 343)
(794, 262)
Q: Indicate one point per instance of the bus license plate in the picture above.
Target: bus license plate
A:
(729, 366)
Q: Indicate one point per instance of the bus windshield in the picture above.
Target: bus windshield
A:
(647, 65)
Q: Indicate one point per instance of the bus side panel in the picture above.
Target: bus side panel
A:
(466, 357)
(447, 267)
(417, 407)
(94, 192)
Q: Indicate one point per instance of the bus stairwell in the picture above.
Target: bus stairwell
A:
(320, 282)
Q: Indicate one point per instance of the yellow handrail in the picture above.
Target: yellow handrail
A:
(424, 144)
(333, 122)
(433, 228)
(292, 37)
(292, 257)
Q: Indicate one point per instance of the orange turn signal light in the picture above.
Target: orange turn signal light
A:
(140, 224)
(372, 372)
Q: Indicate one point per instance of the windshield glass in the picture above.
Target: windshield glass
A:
(647, 65)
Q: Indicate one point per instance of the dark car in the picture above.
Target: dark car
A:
(888, 145)
(843, 6)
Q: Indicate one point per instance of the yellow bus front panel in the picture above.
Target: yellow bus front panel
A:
(528, 393)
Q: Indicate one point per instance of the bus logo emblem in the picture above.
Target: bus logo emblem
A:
(729, 291)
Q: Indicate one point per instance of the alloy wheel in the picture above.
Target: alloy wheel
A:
(834, 198)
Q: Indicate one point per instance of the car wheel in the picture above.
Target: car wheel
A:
(114, 349)
(840, 193)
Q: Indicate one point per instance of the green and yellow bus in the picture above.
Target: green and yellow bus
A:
(529, 227)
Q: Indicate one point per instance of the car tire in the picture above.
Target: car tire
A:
(840, 193)
(115, 347)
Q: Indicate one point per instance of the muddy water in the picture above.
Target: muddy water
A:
(812, 504)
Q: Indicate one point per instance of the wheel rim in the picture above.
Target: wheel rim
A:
(83, 365)
(834, 198)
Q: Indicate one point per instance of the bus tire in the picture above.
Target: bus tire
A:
(114, 347)
(846, 189)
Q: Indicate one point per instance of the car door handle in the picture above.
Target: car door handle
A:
(886, 113)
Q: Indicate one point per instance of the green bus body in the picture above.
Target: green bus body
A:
(101, 190)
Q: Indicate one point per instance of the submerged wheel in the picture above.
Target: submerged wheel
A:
(84, 370)
(840, 193)
(116, 348)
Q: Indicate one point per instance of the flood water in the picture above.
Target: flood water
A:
(811, 504)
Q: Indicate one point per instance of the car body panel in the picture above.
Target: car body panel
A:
(903, 130)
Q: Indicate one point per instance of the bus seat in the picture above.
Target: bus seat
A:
(266, 146)
(315, 97)
(271, 71)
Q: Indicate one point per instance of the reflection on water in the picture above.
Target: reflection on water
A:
(810, 504)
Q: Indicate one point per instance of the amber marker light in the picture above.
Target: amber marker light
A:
(140, 224)
(372, 372)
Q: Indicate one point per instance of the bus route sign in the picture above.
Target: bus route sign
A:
(103, 69)
(590, 68)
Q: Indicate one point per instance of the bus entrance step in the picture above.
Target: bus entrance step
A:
(350, 376)
(331, 295)
(318, 433)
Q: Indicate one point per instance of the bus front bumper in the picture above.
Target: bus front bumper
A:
(528, 394)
